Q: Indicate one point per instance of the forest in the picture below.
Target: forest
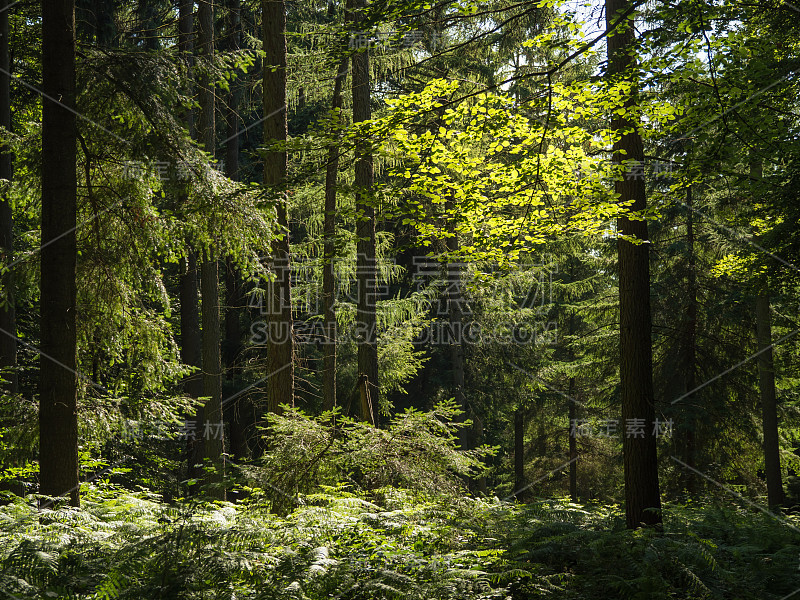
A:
(420, 299)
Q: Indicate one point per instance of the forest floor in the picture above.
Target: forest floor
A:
(389, 545)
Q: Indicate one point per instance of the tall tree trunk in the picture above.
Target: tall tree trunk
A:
(58, 383)
(454, 301)
(329, 250)
(213, 431)
(233, 331)
(233, 291)
(573, 445)
(190, 316)
(573, 441)
(8, 317)
(280, 385)
(766, 374)
(191, 340)
(690, 352)
(191, 344)
(766, 386)
(642, 498)
(466, 435)
(365, 229)
(519, 453)
(240, 412)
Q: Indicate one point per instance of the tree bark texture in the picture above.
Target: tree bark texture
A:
(58, 383)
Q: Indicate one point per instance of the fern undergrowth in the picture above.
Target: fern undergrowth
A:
(396, 544)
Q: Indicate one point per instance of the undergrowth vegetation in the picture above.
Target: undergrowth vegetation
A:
(397, 544)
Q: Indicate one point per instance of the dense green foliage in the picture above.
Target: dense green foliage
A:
(488, 459)
(391, 544)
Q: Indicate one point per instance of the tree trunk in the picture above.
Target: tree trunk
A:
(642, 498)
(190, 316)
(190, 324)
(571, 411)
(191, 340)
(766, 386)
(466, 435)
(366, 271)
(8, 318)
(766, 375)
(454, 300)
(329, 251)
(573, 445)
(280, 385)
(58, 384)
(233, 296)
(239, 413)
(212, 426)
(690, 353)
(519, 453)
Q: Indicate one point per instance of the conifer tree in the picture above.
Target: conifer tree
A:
(58, 376)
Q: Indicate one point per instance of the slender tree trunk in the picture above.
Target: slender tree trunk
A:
(58, 384)
(691, 351)
(280, 385)
(233, 292)
(239, 413)
(213, 430)
(571, 410)
(766, 374)
(454, 301)
(329, 250)
(642, 498)
(190, 315)
(8, 318)
(479, 484)
(766, 385)
(466, 435)
(191, 340)
(191, 343)
(233, 331)
(365, 228)
(573, 445)
(519, 453)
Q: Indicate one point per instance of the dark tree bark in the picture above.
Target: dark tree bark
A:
(365, 228)
(454, 305)
(329, 251)
(280, 385)
(690, 350)
(8, 318)
(766, 386)
(642, 498)
(233, 289)
(191, 340)
(213, 432)
(519, 453)
(190, 313)
(766, 373)
(239, 413)
(573, 445)
(571, 410)
(58, 384)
